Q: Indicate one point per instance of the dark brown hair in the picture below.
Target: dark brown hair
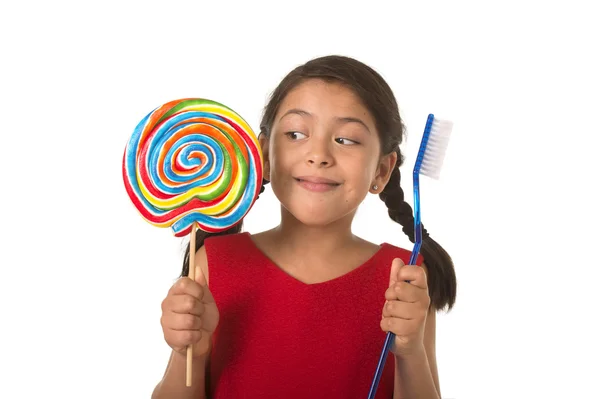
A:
(379, 99)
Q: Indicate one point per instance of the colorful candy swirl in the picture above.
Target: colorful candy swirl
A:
(193, 160)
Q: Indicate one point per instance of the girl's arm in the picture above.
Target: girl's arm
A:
(416, 374)
(173, 383)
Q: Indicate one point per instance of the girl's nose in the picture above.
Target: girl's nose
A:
(316, 161)
(319, 154)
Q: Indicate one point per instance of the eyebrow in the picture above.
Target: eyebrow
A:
(346, 119)
(297, 111)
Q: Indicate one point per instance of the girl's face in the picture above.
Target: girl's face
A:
(323, 155)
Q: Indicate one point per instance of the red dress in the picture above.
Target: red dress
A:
(281, 338)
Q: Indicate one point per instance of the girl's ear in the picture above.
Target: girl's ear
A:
(263, 140)
(386, 166)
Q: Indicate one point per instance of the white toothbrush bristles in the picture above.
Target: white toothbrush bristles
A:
(435, 152)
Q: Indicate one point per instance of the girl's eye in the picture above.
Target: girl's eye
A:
(344, 141)
(295, 135)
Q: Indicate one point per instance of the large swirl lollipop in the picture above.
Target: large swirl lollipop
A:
(193, 162)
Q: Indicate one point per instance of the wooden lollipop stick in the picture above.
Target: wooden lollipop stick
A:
(192, 275)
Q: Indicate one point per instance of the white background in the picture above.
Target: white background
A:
(82, 275)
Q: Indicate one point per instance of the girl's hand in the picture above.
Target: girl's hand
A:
(189, 315)
(406, 307)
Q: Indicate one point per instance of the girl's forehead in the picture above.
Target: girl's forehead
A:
(318, 97)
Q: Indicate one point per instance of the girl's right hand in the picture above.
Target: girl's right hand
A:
(189, 315)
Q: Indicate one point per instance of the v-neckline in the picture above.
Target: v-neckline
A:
(271, 264)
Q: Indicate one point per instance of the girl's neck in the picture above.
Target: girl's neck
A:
(316, 240)
(314, 254)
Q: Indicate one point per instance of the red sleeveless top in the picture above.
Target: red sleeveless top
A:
(280, 338)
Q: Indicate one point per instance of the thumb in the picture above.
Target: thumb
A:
(397, 264)
(199, 277)
(207, 296)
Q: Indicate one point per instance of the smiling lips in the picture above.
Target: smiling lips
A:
(317, 184)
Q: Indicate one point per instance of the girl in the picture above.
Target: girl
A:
(301, 311)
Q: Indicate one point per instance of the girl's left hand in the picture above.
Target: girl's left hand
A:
(406, 308)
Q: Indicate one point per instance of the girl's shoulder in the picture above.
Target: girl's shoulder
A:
(231, 244)
(394, 251)
(218, 245)
(224, 239)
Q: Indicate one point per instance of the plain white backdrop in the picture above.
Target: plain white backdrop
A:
(82, 275)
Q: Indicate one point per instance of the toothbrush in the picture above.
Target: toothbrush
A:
(429, 163)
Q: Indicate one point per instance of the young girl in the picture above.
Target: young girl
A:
(302, 310)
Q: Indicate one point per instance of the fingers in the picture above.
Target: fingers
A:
(401, 272)
(402, 310)
(187, 286)
(414, 274)
(197, 288)
(182, 322)
(184, 338)
(183, 304)
(398, 326)
(185, 297)
(403, 291)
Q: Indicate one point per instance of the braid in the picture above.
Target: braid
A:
(398, 209)
(441, 276)
(203, 235)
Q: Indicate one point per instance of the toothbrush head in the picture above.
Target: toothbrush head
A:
(433, 147)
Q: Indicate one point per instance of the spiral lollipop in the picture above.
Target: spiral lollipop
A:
(193, 162)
